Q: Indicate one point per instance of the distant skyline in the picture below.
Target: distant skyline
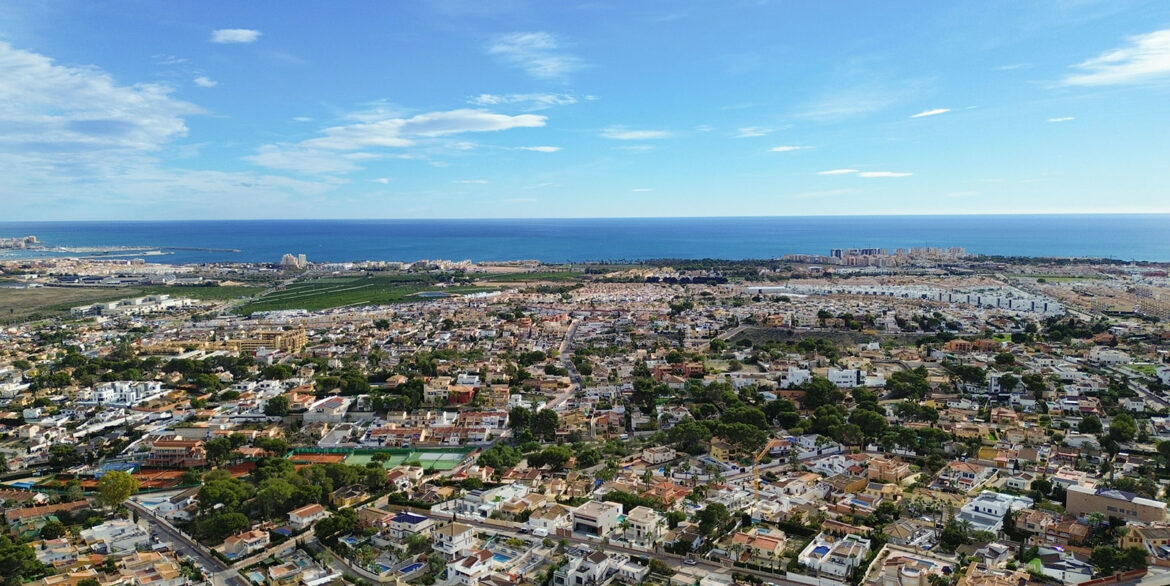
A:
(514, 109)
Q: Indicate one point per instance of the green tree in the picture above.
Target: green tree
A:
(277, 406)
(52, 530)
(115, 487)
(1123, 428)
(820, 391)
(1090, 424)
(545, 423)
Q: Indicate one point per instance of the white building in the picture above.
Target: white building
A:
(844, 378)
(986, 511)
(125, 393)
(116, 536)
(835, 556)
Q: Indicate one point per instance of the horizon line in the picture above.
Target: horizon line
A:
(503, 218)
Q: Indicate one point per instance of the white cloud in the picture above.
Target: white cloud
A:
(533, 101)
(934, 112)
(872, 174)
(837, 172)
(404, 132)
(537, 53)
(471, 181)
(754, 131)
(55, 109)
(642, 189)
(235, 35)
(826, 193)
(382, 180)
(785, 149)
(621, 133)
(1145, 58)
(1061, 119)
(842, 103)
(539, 149)
(339, 149)
(302, 119)
(204, 81)
(301, 160)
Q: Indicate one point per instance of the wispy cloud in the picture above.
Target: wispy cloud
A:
(471, 181)
(825, 193)
(622, 133)
(843, 103)
(537, 53)
(634, 148)
(837, 172)
(875, 174)
(302, 119)
(339, 148)
(539, 149)
(235, 35)
(1061, 119)
(532, 101)
(204, 81)
(786, 149)
(934, 112)
(382, 180)
(1145, 58)
(754, 131)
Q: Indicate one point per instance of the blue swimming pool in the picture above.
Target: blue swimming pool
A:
(501, 558)
(411, 568)
(820, 550)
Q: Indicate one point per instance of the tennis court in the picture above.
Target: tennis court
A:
(440, 459)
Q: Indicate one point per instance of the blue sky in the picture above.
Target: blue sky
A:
(453, 109)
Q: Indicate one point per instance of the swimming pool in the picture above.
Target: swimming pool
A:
(410, 569)
(820, 550)
(501, 558)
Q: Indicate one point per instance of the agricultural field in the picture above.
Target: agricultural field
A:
(333, 292)
(17, 305)
(534, 276)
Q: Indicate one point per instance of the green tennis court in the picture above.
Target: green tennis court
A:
(441, 459)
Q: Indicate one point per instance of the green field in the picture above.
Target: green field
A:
(1067, 278)
(48, 302)
(346, 291)
(535, 276)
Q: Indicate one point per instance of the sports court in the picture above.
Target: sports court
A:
(438, 459)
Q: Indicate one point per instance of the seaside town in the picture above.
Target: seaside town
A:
(904, 417)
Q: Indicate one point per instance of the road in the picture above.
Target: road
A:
(574, 376)
(1137, 387)
(220, 573)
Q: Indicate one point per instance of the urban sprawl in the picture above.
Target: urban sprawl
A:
(910, 417)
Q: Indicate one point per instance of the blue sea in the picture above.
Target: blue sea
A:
(1120, 236)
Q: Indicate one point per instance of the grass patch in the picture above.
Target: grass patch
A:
(535, 276)
(345, 291)
(1068, 278)
(1146, 369)
(18, 305)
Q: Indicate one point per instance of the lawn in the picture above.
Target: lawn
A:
(327, 293)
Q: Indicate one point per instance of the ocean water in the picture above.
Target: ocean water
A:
(1121, 236)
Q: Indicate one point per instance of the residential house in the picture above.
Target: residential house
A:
(305, 516)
